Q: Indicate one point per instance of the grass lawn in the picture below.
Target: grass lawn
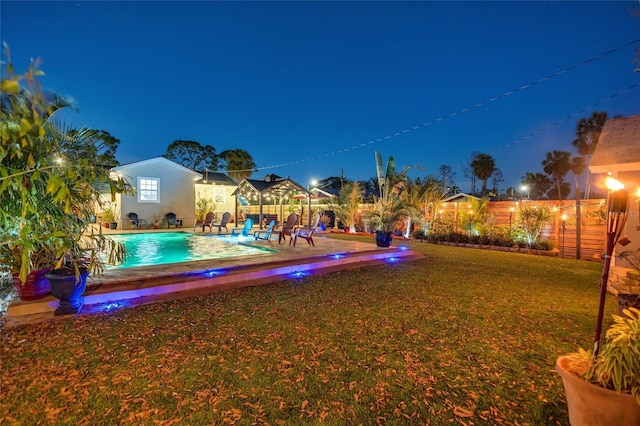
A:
(464, 336)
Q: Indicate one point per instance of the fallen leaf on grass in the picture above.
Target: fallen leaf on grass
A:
(462, 412)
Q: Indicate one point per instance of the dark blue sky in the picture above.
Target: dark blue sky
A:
(299, 83)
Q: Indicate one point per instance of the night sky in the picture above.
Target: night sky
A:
(313, 88)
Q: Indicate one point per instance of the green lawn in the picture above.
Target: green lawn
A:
(463, 336)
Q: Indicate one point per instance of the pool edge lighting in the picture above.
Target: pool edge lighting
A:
(114, 306)
(337, 255)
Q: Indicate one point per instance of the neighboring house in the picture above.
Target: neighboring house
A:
(162, 187)
(217, 187)
(460, 197)
(618, 155)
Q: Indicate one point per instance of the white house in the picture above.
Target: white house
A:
(618, 155)
(218, 188)
(162, 187)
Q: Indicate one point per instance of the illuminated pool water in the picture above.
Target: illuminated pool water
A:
(147, 249)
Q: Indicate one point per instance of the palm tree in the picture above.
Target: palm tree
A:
(557, 164)
(239, 163)
(483, 166)
(588, 132)
(539, 184)
(577, 167)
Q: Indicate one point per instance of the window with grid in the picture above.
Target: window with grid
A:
(148, 190)
(219, 195)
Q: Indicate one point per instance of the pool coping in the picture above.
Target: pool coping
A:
(149, 284)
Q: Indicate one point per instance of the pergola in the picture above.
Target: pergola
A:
(272, 187)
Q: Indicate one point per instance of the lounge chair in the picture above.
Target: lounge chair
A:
(135, 222)
(306, 233)
(266, 234)
(289, 227)
(208, 220)
(244, 231)
(171, 220)
(226, 217)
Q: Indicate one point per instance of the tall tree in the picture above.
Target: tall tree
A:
(496, 179)
(537, 183)
(447, 177)
(103, 150)
(557, 164)
(467, 170)
(192, 155)
(577, 167)
(588, 132)
(483, 166)
(238, 164)
(565, 190)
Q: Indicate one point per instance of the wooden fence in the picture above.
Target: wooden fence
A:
(562, 233)
(504, 213)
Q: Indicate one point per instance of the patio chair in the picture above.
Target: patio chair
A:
(171, 220)
(136, 223)
(208, 220)
(266, 234)
(226, 217)
(244, 231)
(306, 233)
(288, 228)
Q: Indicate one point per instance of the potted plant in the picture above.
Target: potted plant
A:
(606, 391)
(35, 285)
(50, 185)
(109, 218)
(389, 207)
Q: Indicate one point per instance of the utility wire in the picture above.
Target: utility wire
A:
(472, 107)
(562, 120)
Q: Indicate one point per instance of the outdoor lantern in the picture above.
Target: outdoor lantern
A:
(617, 211)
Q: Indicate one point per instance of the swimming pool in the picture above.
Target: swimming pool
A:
(147, 249)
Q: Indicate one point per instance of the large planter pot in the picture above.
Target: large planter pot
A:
(35, 287)
(384, 239)
(67, 290)
(592, 405)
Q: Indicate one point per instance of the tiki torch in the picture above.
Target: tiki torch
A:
(617, 210)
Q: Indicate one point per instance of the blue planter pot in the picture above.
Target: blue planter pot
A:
(384, 239)
(67, 290)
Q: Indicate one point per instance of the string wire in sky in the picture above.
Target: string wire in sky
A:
(472, 107)
(562, 120)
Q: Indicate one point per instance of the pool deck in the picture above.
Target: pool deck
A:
(135, 286)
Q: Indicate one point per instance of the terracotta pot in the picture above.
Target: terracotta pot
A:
(592, 405)
(36, 286)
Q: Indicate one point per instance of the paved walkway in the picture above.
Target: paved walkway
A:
(135, 286)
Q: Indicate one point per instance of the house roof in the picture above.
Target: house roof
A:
(160, 161)
(618, 148)
(216, 178)
(459, 197)
(275, 188)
